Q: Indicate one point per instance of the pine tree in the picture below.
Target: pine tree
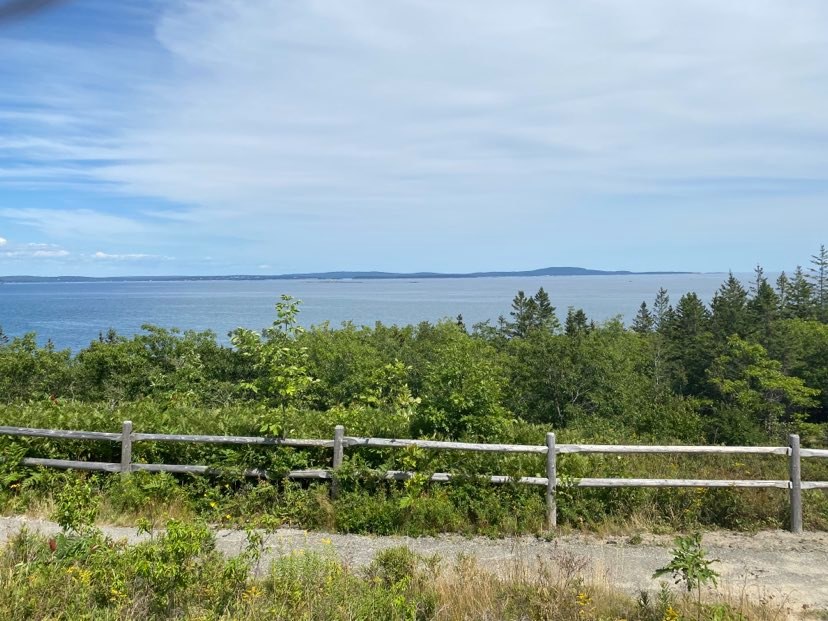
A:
(819, 278)
(460, 323)
(689, 343)
(545, 317)
(577, 322)
(661, 308)
(763, 306)
(691, 316)
(799, 302)
(729, 307)
(524, 312)
(644, 321)
(783, 289)
(532, 313)
(658, 320)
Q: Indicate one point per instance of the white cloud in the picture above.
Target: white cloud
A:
(35, 251)
(358, 100)
(325, 119)
(271, 103)
(128, 257)
(3, 241)
(73, 223)
(50, 253)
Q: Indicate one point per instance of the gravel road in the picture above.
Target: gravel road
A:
(785, 568)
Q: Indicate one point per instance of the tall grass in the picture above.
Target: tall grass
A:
(178, 574)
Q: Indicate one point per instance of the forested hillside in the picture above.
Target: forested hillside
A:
(747, 369)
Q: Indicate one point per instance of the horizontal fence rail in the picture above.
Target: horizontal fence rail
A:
(340, 442)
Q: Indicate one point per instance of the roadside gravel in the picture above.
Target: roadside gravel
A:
(786, 569)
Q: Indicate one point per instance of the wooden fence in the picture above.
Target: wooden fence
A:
(127, 437)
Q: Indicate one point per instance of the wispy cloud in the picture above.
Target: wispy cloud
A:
(104, 256)
(529, 133)
(73, 223)
(34, 251)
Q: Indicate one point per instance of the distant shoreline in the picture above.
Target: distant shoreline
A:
(548, 271)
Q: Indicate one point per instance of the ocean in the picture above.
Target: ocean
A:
(72, 314)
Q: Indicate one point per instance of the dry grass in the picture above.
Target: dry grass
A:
(89, 577)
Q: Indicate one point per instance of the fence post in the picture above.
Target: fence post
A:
(126, 447)
(794, 467)
(551, 482)
(338, 455)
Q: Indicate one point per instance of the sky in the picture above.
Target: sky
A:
(146, 137)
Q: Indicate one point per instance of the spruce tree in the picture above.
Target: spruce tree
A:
(577, 322)
(689, 343)
(532, 313)
(460, 323)
(799, 302)
(524, 312)
(783, 289)
(644, 321)
(661, 308)
(729, 309)
(763, 307)
(819, 278)
(545, 317)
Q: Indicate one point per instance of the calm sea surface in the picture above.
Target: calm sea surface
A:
(72, 314)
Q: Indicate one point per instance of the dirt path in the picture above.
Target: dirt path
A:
(784, 568)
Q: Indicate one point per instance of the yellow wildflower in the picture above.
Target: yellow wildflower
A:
(671, 614)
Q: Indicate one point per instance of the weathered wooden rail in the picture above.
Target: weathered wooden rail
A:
(127, 437)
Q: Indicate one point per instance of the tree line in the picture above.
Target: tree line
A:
(749, 367)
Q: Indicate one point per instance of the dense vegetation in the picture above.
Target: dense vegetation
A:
(178, 574)
(747, 369)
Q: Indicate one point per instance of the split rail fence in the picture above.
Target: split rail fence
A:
(127, 437)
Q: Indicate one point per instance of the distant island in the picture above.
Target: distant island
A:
(546, 271)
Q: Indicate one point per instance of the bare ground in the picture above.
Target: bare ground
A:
(789, 571)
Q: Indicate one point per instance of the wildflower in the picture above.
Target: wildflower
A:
(251, 592)
(671, 614)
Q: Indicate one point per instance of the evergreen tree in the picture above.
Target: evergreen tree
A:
(659, 318)
(799, 302)
(531, 313)
(783, 289)
(524, 313)
(460, 323)
(545, 317)
(729, 309)
(577, 322)
(644, 321)
(763, 307)
(661, 308)
(689, 344)
(819, 278)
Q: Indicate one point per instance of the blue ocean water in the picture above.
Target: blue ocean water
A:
(72, 314)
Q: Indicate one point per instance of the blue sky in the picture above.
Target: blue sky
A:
(269, 136)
